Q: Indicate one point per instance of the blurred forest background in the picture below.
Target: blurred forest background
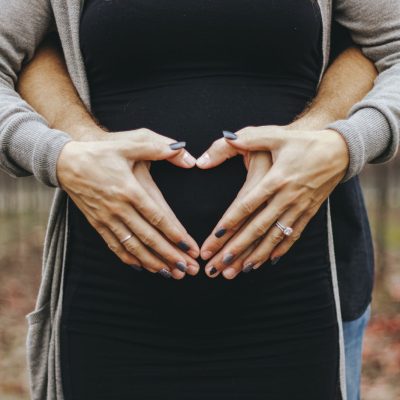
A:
(24, 206)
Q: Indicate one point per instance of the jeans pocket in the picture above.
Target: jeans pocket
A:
(37, 348)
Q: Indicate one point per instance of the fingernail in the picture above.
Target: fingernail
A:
(136, 267)
(203, 160)
(247, 268)
(165, 273)
(206, 255)
(274, 260)
(177, 145)
(193, 269)
(220, 232)
(183, 246)
(229, 272)
(228, 258)
(188, 159)
(213, 271)
(181, 266)
(229, 135)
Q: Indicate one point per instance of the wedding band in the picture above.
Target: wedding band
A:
(287, 230)
(126, 238)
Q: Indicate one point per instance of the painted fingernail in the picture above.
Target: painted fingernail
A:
(136, 267)
(228, 258)
(177, 145)
(274, 260)
(203, 160)
(247, 268)
(181, 266)
(189, 160)
(183, 246)
(165, 273)
(220, 232)
(229, 135)
(213, 271)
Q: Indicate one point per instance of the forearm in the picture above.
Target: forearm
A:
(348, 79)
(372, 126)
(27, 145)
(59, 101)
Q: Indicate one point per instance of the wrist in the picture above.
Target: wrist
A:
(89, 132)
(312, 121)
(63, 163)
(83, 132)
(339, 147)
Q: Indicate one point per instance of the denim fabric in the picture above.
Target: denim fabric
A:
(353, 337)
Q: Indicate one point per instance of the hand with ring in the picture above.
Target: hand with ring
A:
(109, 180)
(306, 167)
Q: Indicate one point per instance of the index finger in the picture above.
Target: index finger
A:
(157, 217)
(241, 208)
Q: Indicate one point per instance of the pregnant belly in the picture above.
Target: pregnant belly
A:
(196, 111)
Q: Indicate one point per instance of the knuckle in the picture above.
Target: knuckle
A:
(128, 192)
(115, 230)
(149, 240)
(259, 229)
(295, 236)
(132, 246)
(278, 180)
(101, 229)
(142, 132)
(125, 258)
(267, 189)
(157, 219)
(245, 207)
(276, 238)
(113, 247)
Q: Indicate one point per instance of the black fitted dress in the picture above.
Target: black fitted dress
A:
(188, 70)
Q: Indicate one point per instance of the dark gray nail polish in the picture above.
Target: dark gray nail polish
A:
(165, 273)
(220, 232)
(136, 267)
(275, 260)
(248, 267)
(228, 258)
(183, 246)
(229, 135)
(213, 270)
(177, 145)
(181, 266)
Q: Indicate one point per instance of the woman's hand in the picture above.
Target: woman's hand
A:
(257, 164)
(307, 166)
(118, 197)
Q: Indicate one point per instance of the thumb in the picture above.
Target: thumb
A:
(216, 154)
(152, 151)
(251, 138)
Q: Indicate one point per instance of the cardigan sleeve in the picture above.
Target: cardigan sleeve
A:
(27, 145)
(372, 126)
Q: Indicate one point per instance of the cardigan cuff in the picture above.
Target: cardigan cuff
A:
(32, 147)
(368, 136)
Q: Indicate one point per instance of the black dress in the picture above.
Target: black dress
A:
(189, 69)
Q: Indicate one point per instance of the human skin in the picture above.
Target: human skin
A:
(307, 163)
(346, 81)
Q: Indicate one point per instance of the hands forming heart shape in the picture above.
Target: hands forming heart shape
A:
(290, 173)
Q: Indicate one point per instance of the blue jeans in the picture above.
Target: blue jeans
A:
(353, 337)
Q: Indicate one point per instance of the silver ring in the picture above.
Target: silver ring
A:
(287, 230)
(126, 238)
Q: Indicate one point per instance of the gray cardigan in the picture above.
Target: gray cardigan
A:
(28, 146)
